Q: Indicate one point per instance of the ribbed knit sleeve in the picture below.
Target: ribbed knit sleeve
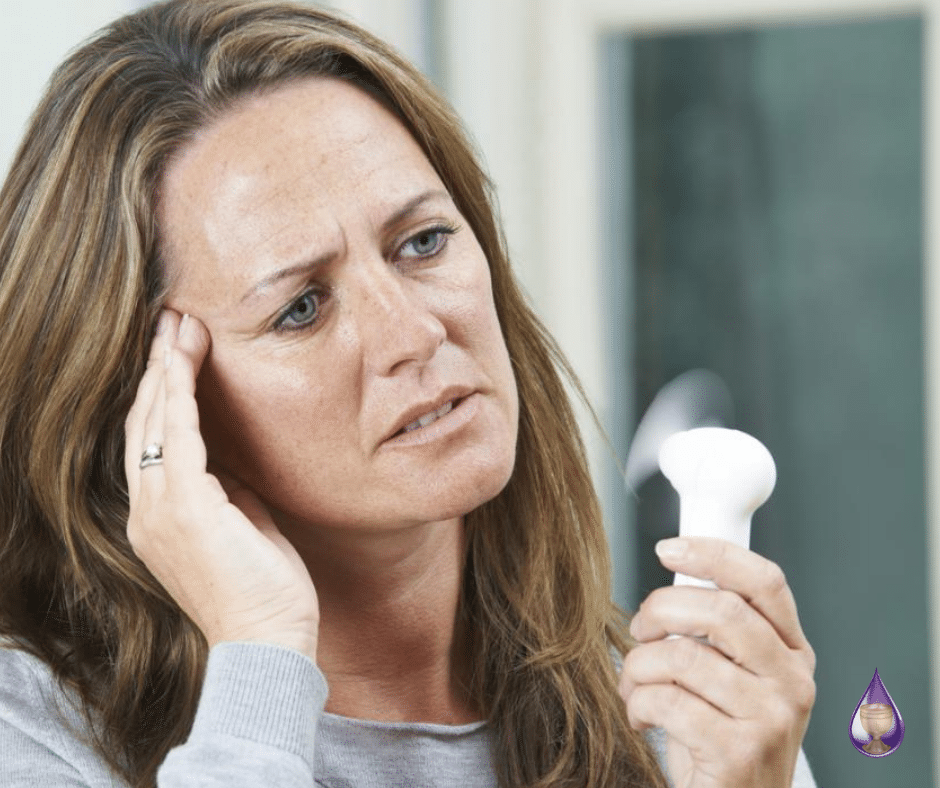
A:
(256, 722)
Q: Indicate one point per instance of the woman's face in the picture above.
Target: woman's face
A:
(348, 301)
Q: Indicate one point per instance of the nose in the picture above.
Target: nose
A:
(395, 322)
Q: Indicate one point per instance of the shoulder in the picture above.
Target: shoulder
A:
(27, 687)
(42, 733)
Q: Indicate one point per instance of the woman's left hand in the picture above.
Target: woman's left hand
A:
(735, 709)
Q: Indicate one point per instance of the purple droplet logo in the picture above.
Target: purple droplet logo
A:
(876, 728)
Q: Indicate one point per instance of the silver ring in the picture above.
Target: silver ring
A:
(153, 455)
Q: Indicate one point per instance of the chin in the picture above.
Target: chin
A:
(457, 493)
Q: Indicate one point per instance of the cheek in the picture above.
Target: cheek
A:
(467, 300)
(251, 415)
(475, 325)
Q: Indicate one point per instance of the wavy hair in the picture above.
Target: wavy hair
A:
(81, 286)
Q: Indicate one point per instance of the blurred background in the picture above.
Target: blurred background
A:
(746, 187)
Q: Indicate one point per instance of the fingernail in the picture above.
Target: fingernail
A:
(672, 549)
(182, 335)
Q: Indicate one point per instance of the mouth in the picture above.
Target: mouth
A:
(434, 419)
(429, 418)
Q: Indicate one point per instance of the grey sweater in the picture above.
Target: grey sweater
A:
(260, 722)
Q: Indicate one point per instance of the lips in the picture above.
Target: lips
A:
(430, 417)
(426, 413)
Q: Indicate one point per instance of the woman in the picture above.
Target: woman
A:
(339, 527)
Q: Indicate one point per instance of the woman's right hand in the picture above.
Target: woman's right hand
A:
(206, 538)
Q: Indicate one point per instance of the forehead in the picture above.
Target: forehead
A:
(281, 172)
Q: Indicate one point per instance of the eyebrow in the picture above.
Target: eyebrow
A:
(401, 215)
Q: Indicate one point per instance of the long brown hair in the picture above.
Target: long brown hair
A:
(81, 285)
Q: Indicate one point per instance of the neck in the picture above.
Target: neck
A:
(390, 642)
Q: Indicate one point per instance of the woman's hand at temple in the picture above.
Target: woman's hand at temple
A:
(207, 539)
(735, 709)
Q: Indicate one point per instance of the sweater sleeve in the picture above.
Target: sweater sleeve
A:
(28, 763)
(256, 722)
(255, 725)
(38, 746)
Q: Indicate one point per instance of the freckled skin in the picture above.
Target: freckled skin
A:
(316, 169)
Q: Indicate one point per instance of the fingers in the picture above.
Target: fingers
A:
(219, 556)
(732, 726)
(723, 618)
(150, 390)
(153, 426)
(755, 647)
(164, 398)
(743, 663)
(759, 582)
(183, 448)
(712, 745)
(668, 706)
(697, 667)
(750, 618)
(191, 348)
(735, 708)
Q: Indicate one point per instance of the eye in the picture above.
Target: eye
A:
(426, 243)
(301, 313)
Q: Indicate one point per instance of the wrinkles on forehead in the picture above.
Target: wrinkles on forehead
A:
(260, 190)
